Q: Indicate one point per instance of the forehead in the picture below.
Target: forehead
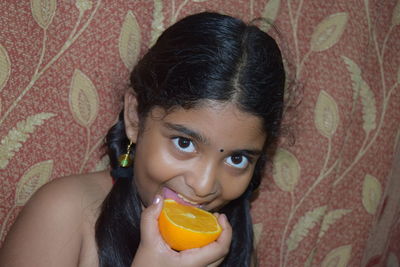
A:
(221, 124)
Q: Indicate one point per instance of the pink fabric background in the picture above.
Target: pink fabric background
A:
(331, 199)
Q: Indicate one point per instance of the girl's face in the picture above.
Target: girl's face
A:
(202, 156)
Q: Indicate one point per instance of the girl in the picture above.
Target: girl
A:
(206, 104)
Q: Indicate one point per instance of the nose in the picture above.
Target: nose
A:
(202, 179)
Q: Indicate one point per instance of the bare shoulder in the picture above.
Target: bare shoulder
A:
(50, 229)
(85, 190)
(76, 195)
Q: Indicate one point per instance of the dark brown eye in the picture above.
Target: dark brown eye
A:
(184, 144)
(237, 161)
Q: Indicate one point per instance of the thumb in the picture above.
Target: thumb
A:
(149, 218)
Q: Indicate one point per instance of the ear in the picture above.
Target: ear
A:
(131, 118)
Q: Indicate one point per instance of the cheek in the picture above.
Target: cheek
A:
(153, 167)
(233, 189)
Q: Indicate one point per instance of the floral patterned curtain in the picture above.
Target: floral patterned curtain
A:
(330, 199)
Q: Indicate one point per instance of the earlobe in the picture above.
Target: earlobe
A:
(131, 118)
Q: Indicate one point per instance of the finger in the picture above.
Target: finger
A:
(226, 236)
(217, 263)
(149, 219)
(215, 251)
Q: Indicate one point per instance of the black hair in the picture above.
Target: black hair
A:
(206, 56)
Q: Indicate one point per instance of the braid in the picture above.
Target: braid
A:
(118, 226)
(116, 140)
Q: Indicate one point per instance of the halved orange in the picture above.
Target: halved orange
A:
(185, 227)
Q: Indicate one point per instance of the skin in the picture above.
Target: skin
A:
(56, 227)
(207, 154)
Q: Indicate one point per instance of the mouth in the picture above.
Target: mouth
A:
(168, 193)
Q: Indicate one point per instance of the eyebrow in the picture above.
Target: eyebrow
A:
(183, 129)
(250, 152)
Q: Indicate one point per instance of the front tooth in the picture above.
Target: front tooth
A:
(187, 200)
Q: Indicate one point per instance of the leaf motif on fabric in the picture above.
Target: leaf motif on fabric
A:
(5, 67)
(355, 74)
(43, 11)
(371, 193)
(257, 230)
(396, 15)
(102, 164)
(83, 5)
(328, 32)
(270, 13)
(32, 180)
(326, 114)
(330, 218)
(392, 260)
(157, 25)
(338, 257)
(368, 107)
(310, 258)
(286, 170)
(303, 226)
(83, 99)
(12, 142)
(360, 87)
(129, 40)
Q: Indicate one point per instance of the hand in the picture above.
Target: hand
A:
(153, 251)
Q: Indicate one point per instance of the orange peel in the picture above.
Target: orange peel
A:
(185, 227)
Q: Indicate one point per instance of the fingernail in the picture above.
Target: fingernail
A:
(223, 217)
(157, 199)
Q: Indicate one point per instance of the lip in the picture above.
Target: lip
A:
(180, 198)
(194, 203)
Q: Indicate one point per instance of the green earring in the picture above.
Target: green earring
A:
(125, 159)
